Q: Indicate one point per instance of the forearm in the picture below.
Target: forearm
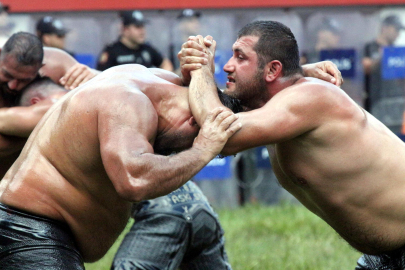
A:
(20, 121)
(157, 175)
(203, 96)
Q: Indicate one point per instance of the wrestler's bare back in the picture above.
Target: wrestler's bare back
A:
(60, 173)
(349, 171)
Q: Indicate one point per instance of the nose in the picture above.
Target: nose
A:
(229, 68)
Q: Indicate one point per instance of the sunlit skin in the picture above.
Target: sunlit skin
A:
(338, 160)
(93, 153)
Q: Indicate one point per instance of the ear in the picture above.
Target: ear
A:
(34, 100)
(273, 70)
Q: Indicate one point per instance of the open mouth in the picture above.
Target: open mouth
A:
(231, 80)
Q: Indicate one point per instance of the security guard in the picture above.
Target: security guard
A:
(131, 48)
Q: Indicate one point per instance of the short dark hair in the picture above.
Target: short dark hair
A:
(41, 87)
(27, 48)
(230, 102)
(276, 42)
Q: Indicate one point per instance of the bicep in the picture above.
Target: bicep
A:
(267, 125)
(126, 130)
(56, 63)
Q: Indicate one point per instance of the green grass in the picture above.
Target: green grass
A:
(278, 237)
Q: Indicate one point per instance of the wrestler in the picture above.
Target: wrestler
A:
(337, 159)
(94, 153)
(22, 58)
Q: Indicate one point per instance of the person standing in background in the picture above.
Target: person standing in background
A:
(188, 25)
(52, 33)
(131, 48)
(378, 89)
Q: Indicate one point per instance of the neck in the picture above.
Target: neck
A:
(169, 105)
(272, 89)
(127, 42)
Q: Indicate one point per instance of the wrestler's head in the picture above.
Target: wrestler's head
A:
(20, 60)
(42, 88)
(182, 136)
(260, 48)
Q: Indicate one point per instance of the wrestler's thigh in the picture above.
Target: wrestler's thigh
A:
(40, 258)
(155, 242)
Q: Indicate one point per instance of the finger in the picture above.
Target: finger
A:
(190, 67)
(208, 41)
(191, 52)
(213, 46)
(212, 115)
(332, 69)
(194, 60)
(229, 120)
(73, 76)
(236, 126)
(222, 116)
(200, 40)
(68, 73)
(192, 44)
(78, 80)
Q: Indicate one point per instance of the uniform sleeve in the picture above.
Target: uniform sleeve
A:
(106, 59)
(157, 58)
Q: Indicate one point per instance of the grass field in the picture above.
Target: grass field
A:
(275, 237)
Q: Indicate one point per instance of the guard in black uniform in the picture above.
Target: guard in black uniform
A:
(131, 48)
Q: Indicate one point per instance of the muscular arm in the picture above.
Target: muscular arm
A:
(20, 121)
(63, 69)
(282, 118)
(126, 143)
(166, 75)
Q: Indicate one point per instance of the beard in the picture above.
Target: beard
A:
(251, 91)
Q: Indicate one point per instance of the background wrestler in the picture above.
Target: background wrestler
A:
(338, 160)
(96, 151)
(21, 60)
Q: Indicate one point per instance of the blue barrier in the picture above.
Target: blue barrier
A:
(217, 169)
(86, 59)
(393, 63)
(262, 158)
(345, 60)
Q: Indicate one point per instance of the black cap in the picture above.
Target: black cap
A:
(189, 13)
(394, 21)
(133, 17)
(331, 25)
(48, 25)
